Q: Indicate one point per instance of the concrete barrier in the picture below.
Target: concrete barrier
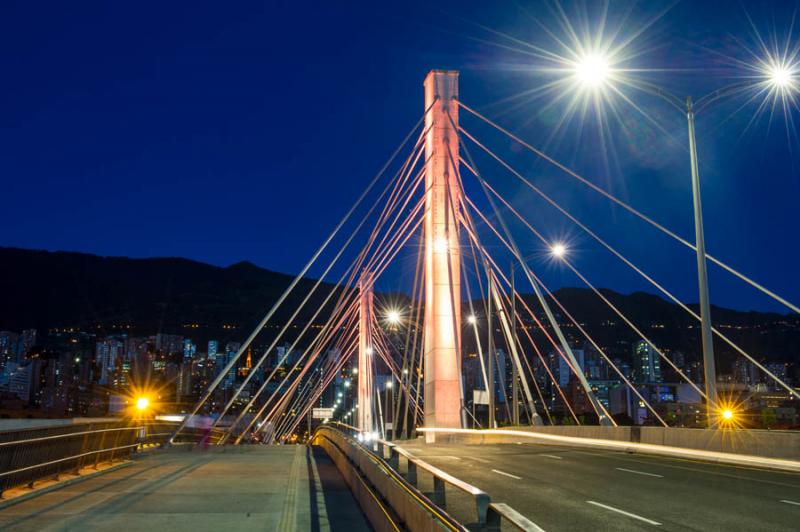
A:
(779, 450)
(388, 501)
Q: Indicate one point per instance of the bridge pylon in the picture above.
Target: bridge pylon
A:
(442, 326)
(365, 354)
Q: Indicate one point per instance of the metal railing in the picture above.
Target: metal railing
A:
(40, 453)
(440, 479)
(34, 454)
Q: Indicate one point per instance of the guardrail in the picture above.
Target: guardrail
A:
(440, 478)
(389, 501)
(33, 454)
(489, 515)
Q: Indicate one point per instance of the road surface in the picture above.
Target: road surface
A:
(561, 488)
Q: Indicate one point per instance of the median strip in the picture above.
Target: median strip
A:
(638, 472)
(506, 474)
(623, 512)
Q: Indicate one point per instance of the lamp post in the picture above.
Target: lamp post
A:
(592, 72)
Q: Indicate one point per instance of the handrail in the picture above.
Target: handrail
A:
(490, 514)
(500, 510)
(74, 457)
(65, 435)
(482, 499)
(444, 475)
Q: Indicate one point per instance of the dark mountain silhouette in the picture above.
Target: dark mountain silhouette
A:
(44, 290)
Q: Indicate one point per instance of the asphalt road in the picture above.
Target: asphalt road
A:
(562, 488)
(248, 488)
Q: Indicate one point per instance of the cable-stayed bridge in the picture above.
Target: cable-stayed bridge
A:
(466, 399)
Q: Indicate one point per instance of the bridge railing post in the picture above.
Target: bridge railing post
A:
(411, 474)
(438, 492)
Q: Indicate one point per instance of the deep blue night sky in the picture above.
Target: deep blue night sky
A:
(238, 131)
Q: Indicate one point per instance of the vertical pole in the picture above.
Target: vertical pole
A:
(514, 369)
(490, 351)
(365, 353)
(442, 255)
(709, 366)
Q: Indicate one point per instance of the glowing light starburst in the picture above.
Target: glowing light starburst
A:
(592, 70)
(779, 76)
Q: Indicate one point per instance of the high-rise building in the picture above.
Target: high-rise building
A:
(108, 352)
(646, 363)
(213, 345)
(8, 348)
(17, 380)
(745, 372)
(189, 350)
(26, 343)
(169, 344)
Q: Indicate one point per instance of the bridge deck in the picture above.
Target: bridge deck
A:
(247, 488)
(552, 486)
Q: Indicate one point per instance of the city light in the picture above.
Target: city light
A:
(389, 384)
(727, 414)
(142, 403)
(355, 371)
(393, 316)
(440, 245)
(347, 383)
(558, 250)
(471, 319)
(592, 70)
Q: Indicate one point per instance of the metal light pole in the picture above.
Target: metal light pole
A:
(490, 351)
(514, 369)
(709, 364)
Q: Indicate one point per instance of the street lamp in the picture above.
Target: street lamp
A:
(592, 72)
(142, 403)
(393, 317)
(558, 250)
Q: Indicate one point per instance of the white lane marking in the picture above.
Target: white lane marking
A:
(790, 502)
(623, 512)
(554, 457)
(482, 460)
(638, 472)
(506, 474)
(450, 457)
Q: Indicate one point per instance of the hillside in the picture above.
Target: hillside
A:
(44, 290)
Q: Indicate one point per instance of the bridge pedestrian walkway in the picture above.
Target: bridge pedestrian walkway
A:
(282, 488)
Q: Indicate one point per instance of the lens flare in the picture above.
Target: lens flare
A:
(592, 70)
